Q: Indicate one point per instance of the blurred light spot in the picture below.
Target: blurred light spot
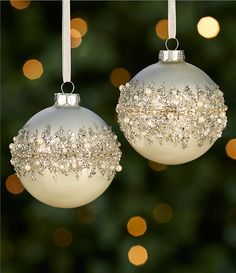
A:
(33, 69)
(75, 38)
(231, 148)
(62, 237)
(18, 4)
(162, 213)
(80, 25)
(157, 167)
(119, 76)
(136, 226)
(161, 29)
(208, 27)
(14, 185)
(137, 255)
(8, 250)
(86, 215)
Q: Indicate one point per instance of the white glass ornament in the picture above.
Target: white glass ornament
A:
(65, 155)
(171, 112)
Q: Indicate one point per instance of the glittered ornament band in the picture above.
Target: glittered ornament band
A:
(66, 152)
(171, 115)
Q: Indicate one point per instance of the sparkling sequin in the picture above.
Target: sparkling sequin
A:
(172, 115)
(94, 149)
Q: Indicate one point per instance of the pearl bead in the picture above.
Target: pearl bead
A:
(119, 168)
(126, 120)
(121, 87)
(199, 104)
(148, 91)
(39, 141)
(201, 119)
(86, 145)
(11, 146)
(27, 167)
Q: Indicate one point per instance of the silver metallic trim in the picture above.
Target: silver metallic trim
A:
(171, 56)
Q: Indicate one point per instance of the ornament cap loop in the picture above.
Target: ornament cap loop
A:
(169, 39)
(68, 82)
(171, 56)
(67, 99)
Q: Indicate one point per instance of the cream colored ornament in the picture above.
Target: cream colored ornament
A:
(171, 112)
(65, 155)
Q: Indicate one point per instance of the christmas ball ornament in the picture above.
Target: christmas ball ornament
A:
(171, 112)
(66, 155)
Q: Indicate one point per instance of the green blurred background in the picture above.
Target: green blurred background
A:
(188, 211)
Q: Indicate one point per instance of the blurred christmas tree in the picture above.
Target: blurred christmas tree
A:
(172, 219)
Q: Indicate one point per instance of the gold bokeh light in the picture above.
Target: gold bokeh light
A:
(13, 184)
(80, 25)
(162, 213)
(230, 148)
(62, 237)
(75, 38)
(208, 27)
(136, 226)
(137, 255)
(161, 29)
(119, 76)
(33, 69)
(19, 4)
(157, 167)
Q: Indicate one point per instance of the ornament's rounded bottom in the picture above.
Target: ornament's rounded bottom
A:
(169, 153)
(66, 191)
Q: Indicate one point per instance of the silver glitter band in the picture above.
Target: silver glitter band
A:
(94, 149)
(171, 115)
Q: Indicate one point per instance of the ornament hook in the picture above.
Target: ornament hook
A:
(62, 87)
(176, 40)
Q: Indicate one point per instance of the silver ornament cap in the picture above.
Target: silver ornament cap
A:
(173, 56)
(67, 99)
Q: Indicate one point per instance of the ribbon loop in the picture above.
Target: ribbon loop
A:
(66, 41)
(171, 19)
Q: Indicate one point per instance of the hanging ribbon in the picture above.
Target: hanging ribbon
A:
(66, 42)
(171, 19)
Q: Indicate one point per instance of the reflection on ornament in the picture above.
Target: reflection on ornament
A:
(65, 155)
(171, 112)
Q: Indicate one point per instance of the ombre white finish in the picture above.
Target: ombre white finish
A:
(196, 102)
(168, 153)
(78, 185)
(66, 191)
